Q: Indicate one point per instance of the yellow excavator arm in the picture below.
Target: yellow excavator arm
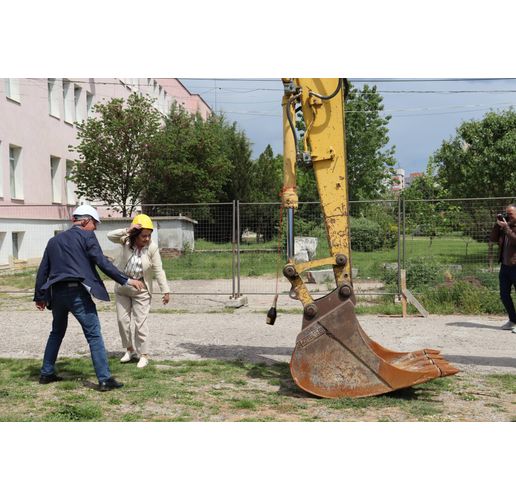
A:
(333, 356)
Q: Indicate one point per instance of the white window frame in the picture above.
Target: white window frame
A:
(12, 89)
(4, 259)
(165, 103)
(15, 172)
(55, 179)
(53, 98)
(161, 100)
(18, 237)
(68, 98)
(70, 186)
(1, 172)
(78, 104)
(89, 104)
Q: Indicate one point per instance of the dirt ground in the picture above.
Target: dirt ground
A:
(202, 327)
(472, 343)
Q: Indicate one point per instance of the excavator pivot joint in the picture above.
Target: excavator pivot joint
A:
(289, 271)
(341, 259)
(345, 291)
(310, 311)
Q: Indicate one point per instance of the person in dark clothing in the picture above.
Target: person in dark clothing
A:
(504, 233)
(65, 283)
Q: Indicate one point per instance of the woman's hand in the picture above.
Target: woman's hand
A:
(166, 298)
(134, 227)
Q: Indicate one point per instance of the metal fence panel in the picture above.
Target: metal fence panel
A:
(240, 248)
(453, 233)
(197, 246)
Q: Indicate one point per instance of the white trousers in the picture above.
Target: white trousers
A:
(133, 304)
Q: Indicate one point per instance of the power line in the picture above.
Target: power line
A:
(447, 110)
(362, 80)
(424, 111)
(247, 90)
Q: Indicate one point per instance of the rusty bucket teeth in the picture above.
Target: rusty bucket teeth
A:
(334, 357)
(389, 355)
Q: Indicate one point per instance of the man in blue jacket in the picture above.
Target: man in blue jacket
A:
(66, 280)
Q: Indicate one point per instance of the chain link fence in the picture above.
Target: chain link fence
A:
(453, 232)
(239, 248)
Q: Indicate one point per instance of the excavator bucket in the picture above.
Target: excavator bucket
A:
(334, 357)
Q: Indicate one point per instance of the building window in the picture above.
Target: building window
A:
(165, 102)
(70, 191)
(15, 173)
(79, 115)
(55, 179)
(161, 100)
(12, 89)
(53, 98)
(3, 255)
(17, 240)
(89, 104)
(68, 101)
(1, 172)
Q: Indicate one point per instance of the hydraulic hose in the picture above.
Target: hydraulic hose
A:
(291, 123)
(327, 97)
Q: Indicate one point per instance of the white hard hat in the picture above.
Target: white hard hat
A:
(82, 210)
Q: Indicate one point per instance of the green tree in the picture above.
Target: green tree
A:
(265, 181)
(117, 151)
(238, 150)
(194, 166)
(425, 187)
(266, 177)
(424, 215)
(369, 162)
(480, 159)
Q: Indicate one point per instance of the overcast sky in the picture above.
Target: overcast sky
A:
(424, 112)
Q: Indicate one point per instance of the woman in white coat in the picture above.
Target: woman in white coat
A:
(139, 259)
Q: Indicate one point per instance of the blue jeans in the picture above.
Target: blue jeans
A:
(78, 301)
(507, 279)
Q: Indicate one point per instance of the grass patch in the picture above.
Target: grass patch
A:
(259, 259)
(162, 310)
(506, 382)
(75, 413)
(210, 390)
(19, 279)
(245, 404)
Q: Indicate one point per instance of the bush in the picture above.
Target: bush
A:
(488, 279)
(421, 273)
(368, 235)
(461, 297)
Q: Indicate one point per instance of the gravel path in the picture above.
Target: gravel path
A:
(473, 343)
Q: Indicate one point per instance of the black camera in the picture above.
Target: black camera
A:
(501, 216)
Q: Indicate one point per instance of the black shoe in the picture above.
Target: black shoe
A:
(110, 384)
(47, 379)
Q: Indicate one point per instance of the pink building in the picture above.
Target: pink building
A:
(37, 118)
(412, 176)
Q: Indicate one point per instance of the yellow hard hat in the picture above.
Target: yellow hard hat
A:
(144, 220)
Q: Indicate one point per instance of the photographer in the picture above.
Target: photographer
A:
(504, 233)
